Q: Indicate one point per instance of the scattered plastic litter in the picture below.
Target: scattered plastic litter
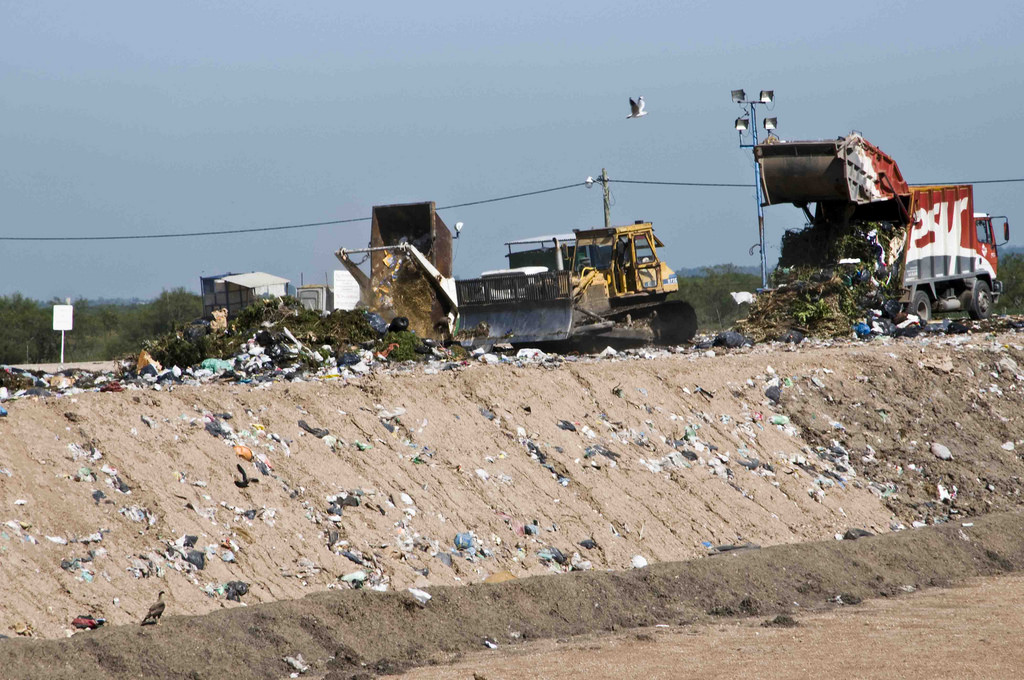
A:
(234, 590)
(318, 432)
(297, 662)
(87, 622)
(421, 596)
(216, 365)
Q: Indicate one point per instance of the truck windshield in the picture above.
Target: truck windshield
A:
(983, 232)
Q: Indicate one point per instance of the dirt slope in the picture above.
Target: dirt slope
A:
(343, 635)
(467, 451)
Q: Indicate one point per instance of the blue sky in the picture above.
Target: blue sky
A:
(132, 119)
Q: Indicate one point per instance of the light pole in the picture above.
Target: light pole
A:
(748, 121)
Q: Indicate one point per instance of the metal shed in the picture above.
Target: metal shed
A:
(237, 291)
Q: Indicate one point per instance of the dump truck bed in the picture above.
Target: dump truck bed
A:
(848, 170)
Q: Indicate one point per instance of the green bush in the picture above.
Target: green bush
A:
(709, 295)
(1011, 273)
(102, 331)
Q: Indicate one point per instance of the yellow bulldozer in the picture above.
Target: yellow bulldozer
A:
(603, 285)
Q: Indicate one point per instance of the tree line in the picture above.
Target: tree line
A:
(102, 330)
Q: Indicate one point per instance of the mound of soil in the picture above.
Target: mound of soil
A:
(358, 634)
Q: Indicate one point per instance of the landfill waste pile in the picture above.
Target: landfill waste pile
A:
(830, 280)
(281, 333)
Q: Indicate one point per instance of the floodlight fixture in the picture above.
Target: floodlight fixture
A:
(767, 96)
(742, 123)
(589, 181)
(771, 123)
(738, 96)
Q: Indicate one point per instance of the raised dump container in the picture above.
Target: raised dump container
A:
(398, 286)
(849, 171)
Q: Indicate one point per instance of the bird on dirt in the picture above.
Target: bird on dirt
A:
(156, 611)
(636, 108)
(245, 478)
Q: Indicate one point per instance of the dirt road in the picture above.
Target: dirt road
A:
(969, 632)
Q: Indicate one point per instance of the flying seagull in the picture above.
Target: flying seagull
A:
(156, 611)
(636, 108)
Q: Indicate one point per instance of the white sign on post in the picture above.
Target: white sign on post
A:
(63, 319)
(346, 290)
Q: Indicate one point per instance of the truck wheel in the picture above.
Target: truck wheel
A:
(921, 305)
(981, 301)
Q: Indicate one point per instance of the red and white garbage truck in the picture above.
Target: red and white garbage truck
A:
(946, 251)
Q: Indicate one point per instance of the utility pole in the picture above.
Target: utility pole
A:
(607, 199)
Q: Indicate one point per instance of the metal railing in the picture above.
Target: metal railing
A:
(512, 288)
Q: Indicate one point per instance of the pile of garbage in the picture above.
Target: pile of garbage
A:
(829, 280)
(820, 303)
(288, 333)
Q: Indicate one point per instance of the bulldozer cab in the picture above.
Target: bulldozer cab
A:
(626, 257)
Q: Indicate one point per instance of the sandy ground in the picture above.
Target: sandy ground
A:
(971, 632)
(71, 365)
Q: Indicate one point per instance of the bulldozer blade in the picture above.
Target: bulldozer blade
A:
(525, 322)
(516, 308)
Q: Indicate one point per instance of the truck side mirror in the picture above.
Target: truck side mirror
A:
(1006, 230)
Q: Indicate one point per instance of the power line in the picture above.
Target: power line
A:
(976, 181)
(505, 198)
(307, 225)
(668, 183)
(129, 237)
(681, 184)
(251, 230)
